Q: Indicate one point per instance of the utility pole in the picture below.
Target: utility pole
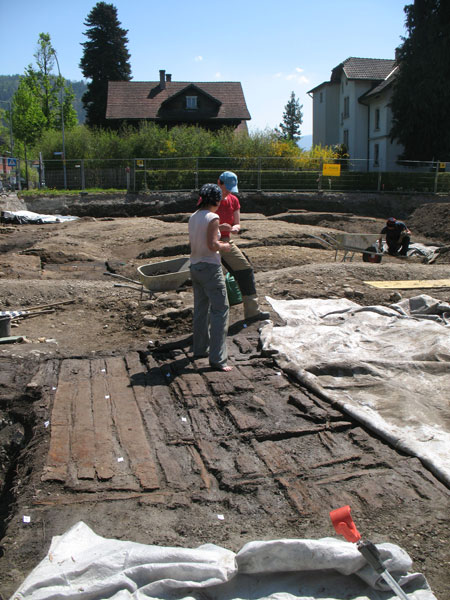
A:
(62, 122)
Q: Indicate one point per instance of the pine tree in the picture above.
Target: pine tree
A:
(421, 94)
(105, 58)
(292, 119)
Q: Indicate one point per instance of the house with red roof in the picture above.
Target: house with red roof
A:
(211, 105)
(353, 108)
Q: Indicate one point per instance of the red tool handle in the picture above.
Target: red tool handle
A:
(343, 524)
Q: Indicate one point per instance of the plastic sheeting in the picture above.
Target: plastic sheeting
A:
(27, 217)
(82, 565)
(385, 366)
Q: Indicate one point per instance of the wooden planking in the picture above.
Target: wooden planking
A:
(105, 459)
(141, 382)
(58, 457)
(83, 439)
(129, 424)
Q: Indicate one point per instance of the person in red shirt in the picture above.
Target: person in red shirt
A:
(234, 260)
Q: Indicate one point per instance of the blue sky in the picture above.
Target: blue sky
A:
(271, 47)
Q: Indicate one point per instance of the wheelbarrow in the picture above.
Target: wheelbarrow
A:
(158, 277)
(351, 243)
(165, 275)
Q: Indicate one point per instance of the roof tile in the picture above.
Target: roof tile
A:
(142, 99)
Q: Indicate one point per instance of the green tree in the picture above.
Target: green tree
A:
(49, 88)
(105, 58)
(421, 92)
(28, 119)
(292, 119)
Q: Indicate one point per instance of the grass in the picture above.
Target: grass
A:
(58, 192)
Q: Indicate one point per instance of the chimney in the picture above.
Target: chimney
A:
(168, 77)
(162, 79)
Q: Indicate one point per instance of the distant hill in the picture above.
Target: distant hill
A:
(10, 83)
(305, 142)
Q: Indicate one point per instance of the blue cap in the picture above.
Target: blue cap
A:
(230, 181)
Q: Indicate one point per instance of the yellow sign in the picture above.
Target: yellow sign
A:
(333, 170)
(139, 163)
(442, 165)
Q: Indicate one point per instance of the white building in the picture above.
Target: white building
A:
(353, 109)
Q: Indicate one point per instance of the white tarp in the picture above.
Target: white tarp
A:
(388, 367)
(28, 217)
(82, 565)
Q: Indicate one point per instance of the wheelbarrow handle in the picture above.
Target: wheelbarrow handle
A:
(121, 277)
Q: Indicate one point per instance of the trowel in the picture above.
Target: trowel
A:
(344, 525)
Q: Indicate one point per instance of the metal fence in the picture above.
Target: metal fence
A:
(265, 174)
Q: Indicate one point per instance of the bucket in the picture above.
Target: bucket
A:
(233, 291)
(5, 326)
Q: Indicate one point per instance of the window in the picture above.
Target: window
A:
(321, 97)
(376, 155)
(346, 107)
(191, 102)
(377, 118)
(346, 138)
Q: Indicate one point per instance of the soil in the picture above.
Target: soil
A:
(106, 417)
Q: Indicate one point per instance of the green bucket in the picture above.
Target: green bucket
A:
(233, 291)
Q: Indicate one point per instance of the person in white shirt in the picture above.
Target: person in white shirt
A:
(211, 306)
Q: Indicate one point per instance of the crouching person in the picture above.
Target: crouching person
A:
(398, 237)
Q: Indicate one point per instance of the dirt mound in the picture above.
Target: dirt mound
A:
(431, 221)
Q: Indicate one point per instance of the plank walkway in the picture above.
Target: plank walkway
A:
(160, 425)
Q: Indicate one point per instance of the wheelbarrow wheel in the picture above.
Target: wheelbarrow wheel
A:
(371, 255)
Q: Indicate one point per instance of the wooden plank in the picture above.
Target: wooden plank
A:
(173, 472)
(274, 458)
(206, 478)
(194, 384)
(207, 422)
(46, 376)
(58, 457)
(297, 494)
(103, 422)
(410, 284)
(143, 392)
(351, 475)
(129, 424)
(243, 421)
(83, 438)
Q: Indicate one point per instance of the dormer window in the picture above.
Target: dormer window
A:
(191, 102)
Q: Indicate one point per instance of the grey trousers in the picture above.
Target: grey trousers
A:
(210, 312)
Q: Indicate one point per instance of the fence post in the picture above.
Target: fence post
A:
(436, 175)
(83, 179)
(196, 175)
(18, 182)
(258, 180)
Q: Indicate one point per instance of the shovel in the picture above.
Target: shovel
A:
(344, 525)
